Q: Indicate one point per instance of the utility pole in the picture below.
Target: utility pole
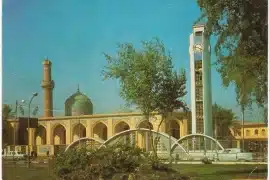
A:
(14, 132)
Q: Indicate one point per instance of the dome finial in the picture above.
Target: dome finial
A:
(78, 89)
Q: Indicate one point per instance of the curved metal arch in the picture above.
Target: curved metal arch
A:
(202, 135)
(82, 139)
(142, 130)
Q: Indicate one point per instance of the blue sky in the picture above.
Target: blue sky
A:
(73, 35)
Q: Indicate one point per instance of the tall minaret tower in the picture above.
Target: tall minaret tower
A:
(200, 71)
(47, 85)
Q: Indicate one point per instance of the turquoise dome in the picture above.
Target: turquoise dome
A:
(78, 104)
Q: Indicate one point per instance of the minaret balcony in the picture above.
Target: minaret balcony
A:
(47, 84)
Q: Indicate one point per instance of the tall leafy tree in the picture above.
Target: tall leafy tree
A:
(172, 90)
(147, 78)
(222, 119)
(241, 29)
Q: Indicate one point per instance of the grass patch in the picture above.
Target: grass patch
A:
(24, 173)
(220, 171)
(195, 171)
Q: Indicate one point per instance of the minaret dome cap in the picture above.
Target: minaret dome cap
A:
(47, 62)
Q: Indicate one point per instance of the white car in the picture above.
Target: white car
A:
(16, 155)
(234, 154)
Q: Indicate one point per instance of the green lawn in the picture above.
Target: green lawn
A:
(220, 172)
(23, 173)
(204, 172)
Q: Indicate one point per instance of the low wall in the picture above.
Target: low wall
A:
(40, 149)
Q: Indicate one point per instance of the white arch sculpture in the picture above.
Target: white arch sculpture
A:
(104, 143)
(83, 139)
(143, 130)
(193, 135)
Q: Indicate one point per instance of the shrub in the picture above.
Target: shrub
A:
(103, 162)
(113, 162)
(206, 160)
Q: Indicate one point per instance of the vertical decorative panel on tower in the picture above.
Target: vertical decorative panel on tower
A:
(47, 85)
(200, 71)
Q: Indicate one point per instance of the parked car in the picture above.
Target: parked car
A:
(234, 154)
(17, 155)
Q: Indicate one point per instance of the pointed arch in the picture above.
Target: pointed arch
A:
(41, 133)
(175, 129)
(78, 131)
(100, 131)
(145, 124)
(121, 126)
(59, 134)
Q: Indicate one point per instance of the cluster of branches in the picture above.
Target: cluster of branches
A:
(241, 30)
(148, 79)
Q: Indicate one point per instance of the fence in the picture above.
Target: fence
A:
(196, 150)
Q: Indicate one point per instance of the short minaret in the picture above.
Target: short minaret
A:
(47, 85)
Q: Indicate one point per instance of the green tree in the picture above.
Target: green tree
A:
(6, 114)
(147, 78)
(241, 29)
(172, 90)
(222, 119)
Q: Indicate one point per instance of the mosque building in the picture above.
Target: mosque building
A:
(53, 133)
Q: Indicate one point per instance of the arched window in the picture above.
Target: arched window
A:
(263, 132)
(256, 132)
(247, 132)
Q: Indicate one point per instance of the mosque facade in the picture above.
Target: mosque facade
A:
(57, 132)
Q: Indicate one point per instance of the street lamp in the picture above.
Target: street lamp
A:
(34, 95)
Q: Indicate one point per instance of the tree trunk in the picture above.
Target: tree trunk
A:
(157, 136)
(170, 143)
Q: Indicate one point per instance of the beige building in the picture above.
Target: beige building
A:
(53, 133)
(255, 136)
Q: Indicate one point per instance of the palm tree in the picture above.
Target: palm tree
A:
(34, 112)
(236, 127)
(7, 112)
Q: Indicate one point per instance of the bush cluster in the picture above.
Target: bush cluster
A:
(117, 162)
